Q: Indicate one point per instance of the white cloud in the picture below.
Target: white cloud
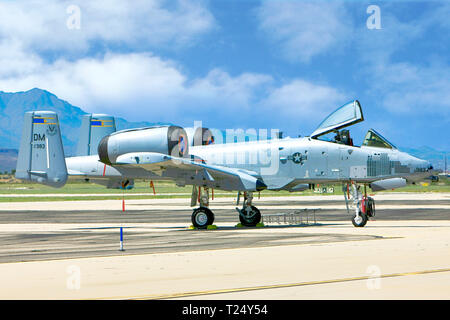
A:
(141, 86)
(42, 25)
(235, 92)
(304, 99)
(112, 82)
(302, 29)
(439, 16)
(14, 61)
(418, 87)
(136, 85)
(410, 89)
(378, 45)
(302, 104)
(89, 68)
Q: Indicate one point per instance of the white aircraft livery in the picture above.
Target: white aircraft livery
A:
(169, 153)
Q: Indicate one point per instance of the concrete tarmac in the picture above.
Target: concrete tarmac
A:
(51, 253)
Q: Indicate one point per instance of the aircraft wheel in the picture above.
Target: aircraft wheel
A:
(371, 207)
(360, 220)
(202, 217)
(250, 216)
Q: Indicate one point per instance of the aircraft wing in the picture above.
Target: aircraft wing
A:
(190, 171)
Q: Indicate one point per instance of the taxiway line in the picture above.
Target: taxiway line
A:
(280, 286)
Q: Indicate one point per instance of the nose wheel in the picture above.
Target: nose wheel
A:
(360, 220)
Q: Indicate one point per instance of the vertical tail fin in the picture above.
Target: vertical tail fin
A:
(41, 154)
(93, 128)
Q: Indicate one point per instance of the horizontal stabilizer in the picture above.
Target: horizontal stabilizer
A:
(39, 173)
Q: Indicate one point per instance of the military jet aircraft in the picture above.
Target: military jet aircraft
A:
(165, 153)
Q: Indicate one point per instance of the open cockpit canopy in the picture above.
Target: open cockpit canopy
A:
(374, 139)
(346, 115)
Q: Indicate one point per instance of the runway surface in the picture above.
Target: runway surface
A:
(69, 250)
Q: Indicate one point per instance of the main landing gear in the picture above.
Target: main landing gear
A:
(202, 217)
(363, 205)
(249, 215)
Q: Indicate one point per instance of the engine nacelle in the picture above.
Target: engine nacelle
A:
(388, 184)
(200, 136)
(170, 140)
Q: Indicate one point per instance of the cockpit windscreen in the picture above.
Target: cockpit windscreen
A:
(374, 139)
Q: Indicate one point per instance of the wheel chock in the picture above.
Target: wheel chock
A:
(258, 225)
(210, 227)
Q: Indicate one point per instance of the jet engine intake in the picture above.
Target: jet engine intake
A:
(200, 136)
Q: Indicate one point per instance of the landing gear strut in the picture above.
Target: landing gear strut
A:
(202, 217)
(249, 215)
(364, 206)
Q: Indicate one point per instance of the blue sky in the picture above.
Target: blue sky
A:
(238, 64)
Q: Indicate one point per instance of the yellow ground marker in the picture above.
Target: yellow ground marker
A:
(258, 225)
(210, 227)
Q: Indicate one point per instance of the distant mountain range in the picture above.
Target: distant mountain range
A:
(436, 157)
(13, 105)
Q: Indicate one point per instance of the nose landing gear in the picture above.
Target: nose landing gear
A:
(364, 206)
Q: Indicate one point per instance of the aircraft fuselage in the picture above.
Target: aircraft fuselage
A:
(281, 163)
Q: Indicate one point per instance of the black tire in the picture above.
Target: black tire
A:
(202, 218)
(252, 220)
(370, 207)
(360, 222)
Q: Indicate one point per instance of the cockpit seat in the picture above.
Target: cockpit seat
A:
(343, 137)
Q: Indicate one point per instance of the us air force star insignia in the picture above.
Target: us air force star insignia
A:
(297, 157)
